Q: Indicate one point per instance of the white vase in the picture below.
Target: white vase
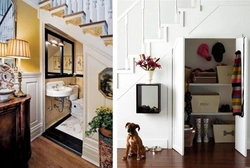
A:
(149, 75)
(198, 129)
(205, 125)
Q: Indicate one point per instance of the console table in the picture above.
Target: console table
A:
(15, 150)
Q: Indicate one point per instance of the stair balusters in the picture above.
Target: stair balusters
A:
(82, 13)
(87, 10)
(110, 17)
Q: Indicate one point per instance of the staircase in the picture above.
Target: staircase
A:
(6, 20)
(162, 23)
(91, 17)
(162, 27)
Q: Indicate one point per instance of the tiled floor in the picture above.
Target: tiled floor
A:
(71, 126)
(68, 135)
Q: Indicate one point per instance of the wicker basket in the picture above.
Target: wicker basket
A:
(189, 137)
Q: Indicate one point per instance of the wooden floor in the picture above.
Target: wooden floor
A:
(47, 154)
(198, 156)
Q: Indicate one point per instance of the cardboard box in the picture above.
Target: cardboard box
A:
(224, 74)
(205, 103)
(205, 77)
(224, 133)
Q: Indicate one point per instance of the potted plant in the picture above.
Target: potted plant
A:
(103, 120)
(103, 124)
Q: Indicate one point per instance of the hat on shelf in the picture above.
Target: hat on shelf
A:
(218, 50)
(203, 51)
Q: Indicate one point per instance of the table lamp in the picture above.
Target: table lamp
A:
(3, 51)
(18, 48)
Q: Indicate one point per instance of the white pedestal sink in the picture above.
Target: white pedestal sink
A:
(57, 89)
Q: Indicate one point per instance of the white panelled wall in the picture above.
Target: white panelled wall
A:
(31, 84)
(202, 19)
(94, 63)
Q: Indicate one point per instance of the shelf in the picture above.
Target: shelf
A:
(148, 98)
(219, 113)
(209, 84)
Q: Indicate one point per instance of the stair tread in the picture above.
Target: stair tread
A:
(40, 3)
(73, 14)
(93, 23)
(58, 7)
(107, 36)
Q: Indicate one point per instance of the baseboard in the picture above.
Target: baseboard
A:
(90, 154)
(121, 143)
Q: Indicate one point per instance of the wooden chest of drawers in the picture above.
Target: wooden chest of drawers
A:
(15, 150)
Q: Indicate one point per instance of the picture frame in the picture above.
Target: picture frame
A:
(79, 64)
(56, 62)
(105, 82)
(67, 62)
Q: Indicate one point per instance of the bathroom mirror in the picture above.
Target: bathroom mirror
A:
(67, 58)
(59, 55)
(148, 98)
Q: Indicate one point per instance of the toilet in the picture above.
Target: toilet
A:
(76, 104)
(77, 108)
(74, 94)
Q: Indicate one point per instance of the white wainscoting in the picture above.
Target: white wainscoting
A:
(94, 63)
(31, 85)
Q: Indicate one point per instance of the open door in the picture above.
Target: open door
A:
(241, 122)
(178, 95)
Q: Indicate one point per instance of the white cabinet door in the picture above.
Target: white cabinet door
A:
(241, 122)
(178, 95)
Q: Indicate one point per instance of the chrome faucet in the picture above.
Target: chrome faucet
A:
(55, 87)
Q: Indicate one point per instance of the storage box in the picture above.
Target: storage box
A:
(224, 133)
(204, 77)
(205, 103)
(224, 74)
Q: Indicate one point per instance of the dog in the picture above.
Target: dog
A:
(134, 145)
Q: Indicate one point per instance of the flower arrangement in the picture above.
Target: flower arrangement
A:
(103, 119)
(148, 63)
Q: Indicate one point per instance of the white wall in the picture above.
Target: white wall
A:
(217, 19)
(94, 63)
(150, 124)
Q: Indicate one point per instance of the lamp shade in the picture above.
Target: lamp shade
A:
(18, 48)
(3, 49)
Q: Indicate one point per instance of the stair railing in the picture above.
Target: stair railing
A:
(95, 10)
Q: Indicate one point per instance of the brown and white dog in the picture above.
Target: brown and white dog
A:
(134, 145)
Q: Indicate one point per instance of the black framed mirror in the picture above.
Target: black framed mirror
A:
(59, 55)
(148, 98)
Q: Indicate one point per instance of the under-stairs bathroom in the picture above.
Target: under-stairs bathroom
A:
(64, 90)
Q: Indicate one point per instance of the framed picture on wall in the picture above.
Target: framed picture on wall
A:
(79, 64)
(105, 83)
(56, 62)
(67, 61)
